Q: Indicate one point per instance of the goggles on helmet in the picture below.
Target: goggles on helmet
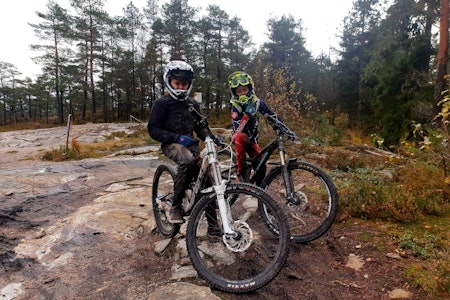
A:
(239, 78)
(187, 75)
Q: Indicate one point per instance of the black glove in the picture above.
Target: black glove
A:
(219, 141)
(290, 135)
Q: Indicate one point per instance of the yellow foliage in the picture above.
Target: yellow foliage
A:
(76, 146)
(356, 136)
(447, 180)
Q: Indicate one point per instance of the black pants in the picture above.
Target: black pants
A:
(188, 162)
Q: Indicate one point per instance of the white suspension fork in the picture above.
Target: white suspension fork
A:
(219, 188)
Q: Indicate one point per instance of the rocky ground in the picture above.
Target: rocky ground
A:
(84, 230)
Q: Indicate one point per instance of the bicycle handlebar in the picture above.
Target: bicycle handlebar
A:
(278, 125)
(204, 122)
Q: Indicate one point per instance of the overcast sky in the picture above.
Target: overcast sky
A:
(321, 21)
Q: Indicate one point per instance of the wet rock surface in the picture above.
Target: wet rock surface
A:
(85, 230)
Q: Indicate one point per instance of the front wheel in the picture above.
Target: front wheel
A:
(162, 197)
(247, 260)
(315, 204)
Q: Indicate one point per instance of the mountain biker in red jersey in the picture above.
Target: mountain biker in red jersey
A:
(244, 114)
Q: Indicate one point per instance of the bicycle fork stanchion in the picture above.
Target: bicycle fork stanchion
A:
(219, 188)
(290, 189)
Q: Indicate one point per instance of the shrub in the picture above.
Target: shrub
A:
(415, 190)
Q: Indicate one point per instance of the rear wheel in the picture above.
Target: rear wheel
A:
(316, 209)
(244, 262)
(162, 196)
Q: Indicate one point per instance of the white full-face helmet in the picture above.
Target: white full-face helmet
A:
(180, 70)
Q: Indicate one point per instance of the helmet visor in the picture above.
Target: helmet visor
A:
(239, 79)
(181, 74)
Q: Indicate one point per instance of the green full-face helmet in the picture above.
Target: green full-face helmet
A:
(241, 78)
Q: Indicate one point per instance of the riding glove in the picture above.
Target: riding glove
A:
(290, 135)
(219, 141)
(185, 141)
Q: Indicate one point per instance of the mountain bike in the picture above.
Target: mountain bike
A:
(307, 194)
(248, 253)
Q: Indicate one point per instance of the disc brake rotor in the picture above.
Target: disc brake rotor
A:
(243, 240)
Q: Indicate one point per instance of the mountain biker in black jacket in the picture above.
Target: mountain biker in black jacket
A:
(172, 124)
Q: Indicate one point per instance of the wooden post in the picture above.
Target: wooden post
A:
(68, 131)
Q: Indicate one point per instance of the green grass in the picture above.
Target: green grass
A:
(115, 142)
(428, 240)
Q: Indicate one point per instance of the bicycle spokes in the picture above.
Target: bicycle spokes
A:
(310, 206)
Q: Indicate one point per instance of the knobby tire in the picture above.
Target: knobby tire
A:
(162, 190)
(230, 270)
(306, 222)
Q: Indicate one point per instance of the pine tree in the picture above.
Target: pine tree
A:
(55, 27)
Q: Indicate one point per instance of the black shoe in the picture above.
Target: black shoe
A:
(242, 178)
(176, 215)
(258, 177)
(214, 231)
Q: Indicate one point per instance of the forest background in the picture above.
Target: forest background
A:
(387, 89)
(105, 68)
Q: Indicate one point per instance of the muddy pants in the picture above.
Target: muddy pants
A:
(188, 162)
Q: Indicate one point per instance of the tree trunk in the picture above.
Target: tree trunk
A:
(442, 54)
(91, 70)
(59, 101)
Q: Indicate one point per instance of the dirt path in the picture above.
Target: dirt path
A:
(82, 230)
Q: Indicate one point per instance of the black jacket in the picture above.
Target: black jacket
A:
(171, 118)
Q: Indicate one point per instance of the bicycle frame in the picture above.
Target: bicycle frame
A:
(263, 157)
(306, 192)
